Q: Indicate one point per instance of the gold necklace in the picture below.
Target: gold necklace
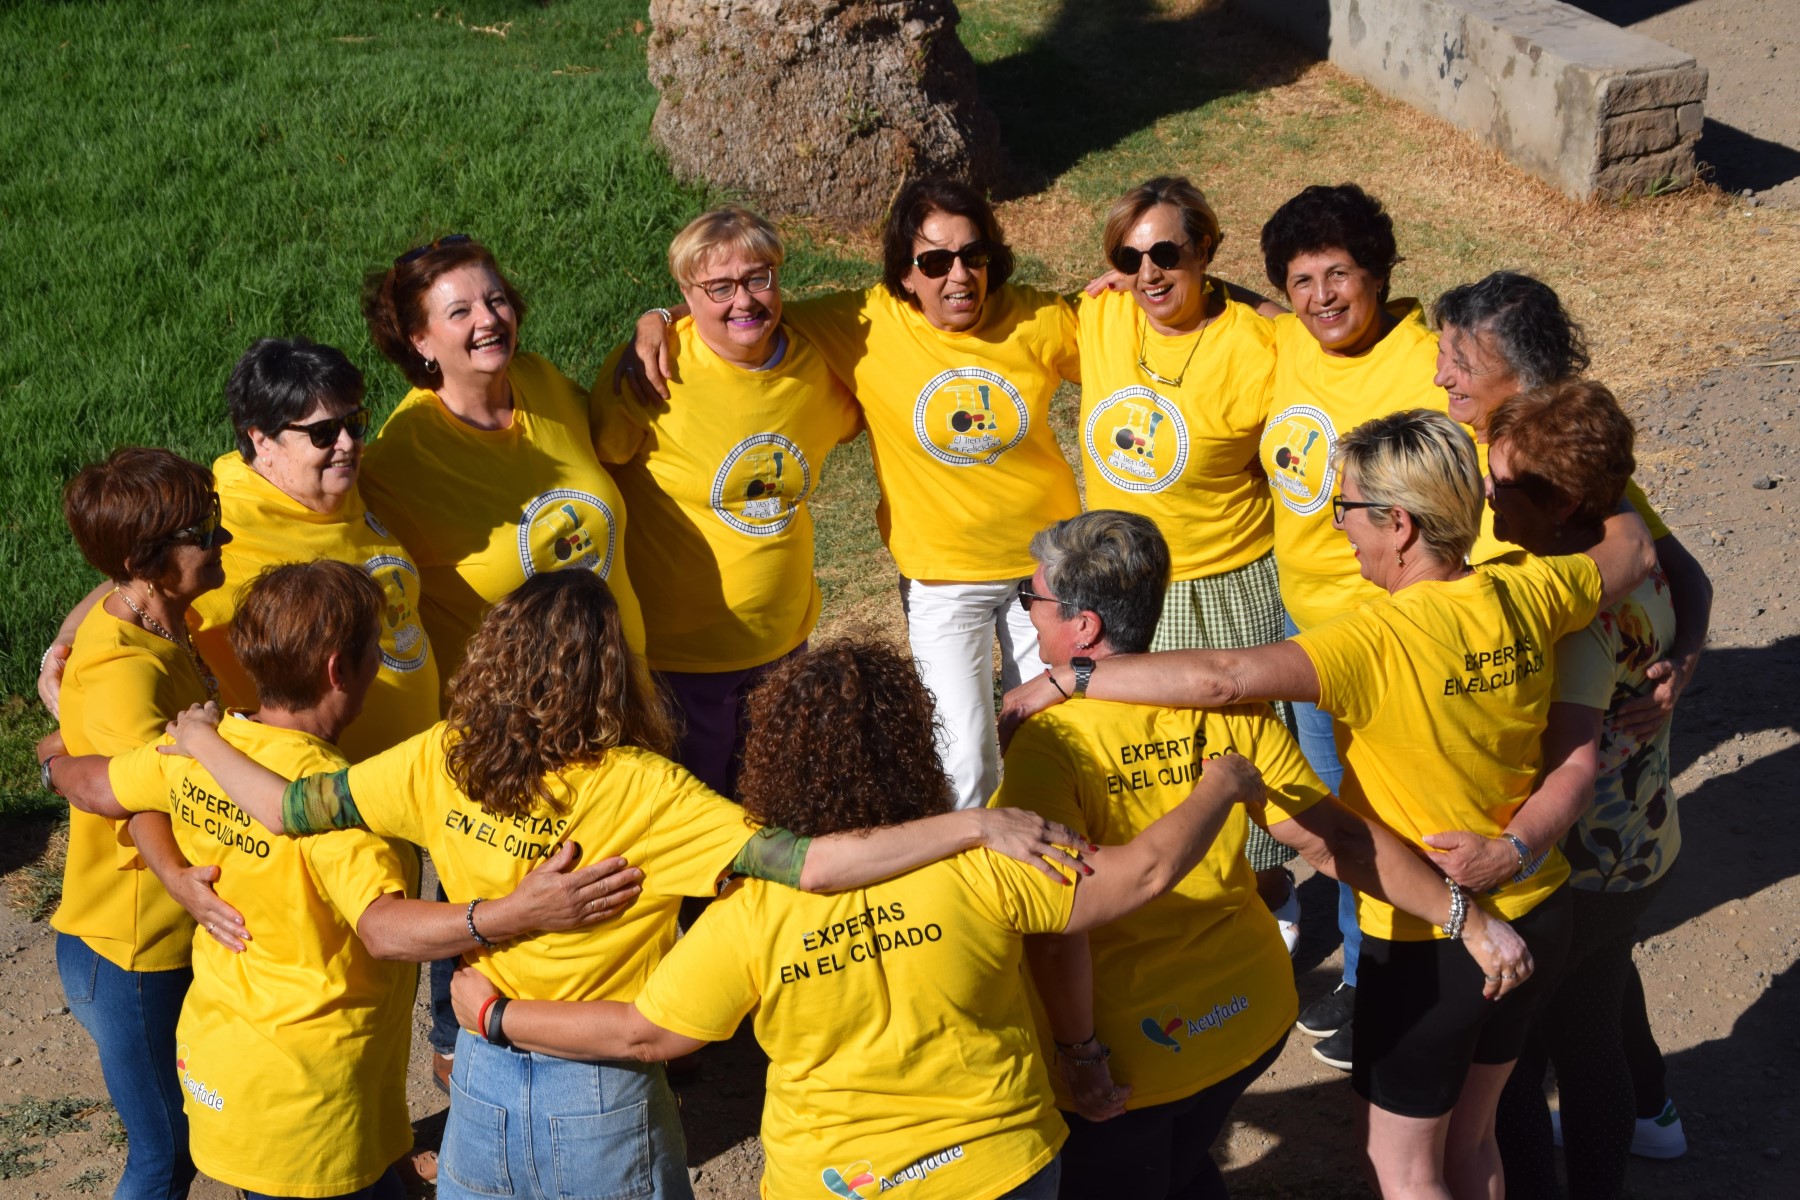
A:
(207, 679)
(1143, 341)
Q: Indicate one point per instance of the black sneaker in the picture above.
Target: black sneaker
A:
(1329, 1013)
(1335, 1050)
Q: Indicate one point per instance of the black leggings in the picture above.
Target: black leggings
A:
(1583, 1029)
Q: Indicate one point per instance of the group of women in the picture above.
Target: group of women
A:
(1277, 510)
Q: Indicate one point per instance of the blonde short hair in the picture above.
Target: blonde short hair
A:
(1425, 463)
(1197, 216)
(732, 227)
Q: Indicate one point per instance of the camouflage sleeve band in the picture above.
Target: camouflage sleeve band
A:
(317, 803)
(773, 854)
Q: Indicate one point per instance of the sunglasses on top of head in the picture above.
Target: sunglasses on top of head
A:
(204, 533)
(324, 434)
(1128, 259)
(449, 239)
(935, 264)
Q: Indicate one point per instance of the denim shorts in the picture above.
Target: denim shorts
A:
(542, 1128)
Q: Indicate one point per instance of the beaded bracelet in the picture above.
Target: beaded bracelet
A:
(469, 920)
(1459, 911)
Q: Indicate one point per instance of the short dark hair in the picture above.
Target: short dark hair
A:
(1569, 441)
(1111, 563)
(393, 302)
(293, 617)
(918, 199)
(1531, 331)
(124, 511)
(1324, 218)
(278, 380)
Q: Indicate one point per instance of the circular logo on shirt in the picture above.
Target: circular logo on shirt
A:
(1137, 440)
(565, 528)
(761, 484)
(403, 643)
(968, 416)
(379, 529)
(1296, 451)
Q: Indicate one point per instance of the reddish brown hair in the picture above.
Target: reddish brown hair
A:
(842, 738)
(1570, 443)
(393, 303)
(124, 511)
(292, 618)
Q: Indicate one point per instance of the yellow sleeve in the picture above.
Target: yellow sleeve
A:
(837, 325)
(1290, 786)
(353, 868)
(133, 700)
(1573, 598)
(618, 423)
(1040, 777)
(708, 982)
(696, 835)
(1350, 654)
(1584, 668)
(139, 779)
(1066, 353)
(1646, 510)
(395, 789)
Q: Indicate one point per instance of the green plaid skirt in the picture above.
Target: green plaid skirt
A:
(1228, 612)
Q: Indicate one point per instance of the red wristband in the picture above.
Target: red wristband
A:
(480, 1030)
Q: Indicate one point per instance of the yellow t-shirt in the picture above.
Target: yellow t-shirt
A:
(1319, 398)
(959, 424)
(717, 483)
(269, 527)
(481, 511)
(304, 1033)
(632, 803)
(895, 1021)
(1196, 985)
(1441, 694)
(120, 686)
(1186, 457)
(1488, 547)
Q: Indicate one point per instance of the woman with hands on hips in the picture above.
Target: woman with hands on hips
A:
(894, 1015)
(1443, 688)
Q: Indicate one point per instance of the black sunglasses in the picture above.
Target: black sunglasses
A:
(449, 239)
(935, 264)
(1164, 254)
(1340, 506)
(324, 434)
(1027, 597)
(205, 532)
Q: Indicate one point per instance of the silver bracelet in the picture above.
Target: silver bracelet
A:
(667, 316)
(1518, 844)
(1459, 911)
(44, 659)
(469, 920)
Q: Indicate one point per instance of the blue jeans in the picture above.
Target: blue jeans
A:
(442, 1034)
(388, 1187)
(131, 1016)
(1319, 745)
(543, 1128)
(1042, 1186)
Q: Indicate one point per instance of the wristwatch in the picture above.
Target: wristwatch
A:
(1084, 671)
(44, 774)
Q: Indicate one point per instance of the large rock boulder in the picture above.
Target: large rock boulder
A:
(818, 107)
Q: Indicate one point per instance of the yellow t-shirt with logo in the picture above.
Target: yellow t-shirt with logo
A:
(1186, 457)
(717, 483)
(1441, 694)
(1488, 547)
(481, 510)
(959, 424)
(269, 527)
(120, 686)
(1318, 399)
(632, 803)
(1197, 984)
(305, 1033)
(900, 1043)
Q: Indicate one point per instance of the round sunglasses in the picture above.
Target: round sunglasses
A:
(1164, 254)
(935, 264)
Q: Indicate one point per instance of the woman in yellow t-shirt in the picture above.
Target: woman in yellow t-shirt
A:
(954, 368)
(1184, 1004)
(1442, 681)
(719, 482)
(486, 471)
(555, 736)
(149, 521)
(1561, 457)
(895, 1020)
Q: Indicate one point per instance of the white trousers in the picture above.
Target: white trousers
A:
(952, 627)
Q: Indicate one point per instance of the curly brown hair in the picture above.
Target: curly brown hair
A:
(842, 738)
(1570, 443)
(548, 683)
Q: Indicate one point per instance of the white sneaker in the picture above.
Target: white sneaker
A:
(1287, 918)
(1660, 1136)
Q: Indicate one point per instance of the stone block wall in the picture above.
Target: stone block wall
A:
(1599, 111)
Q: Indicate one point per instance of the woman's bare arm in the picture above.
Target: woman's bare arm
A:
(56, 655)
(841, 861)
(589, 1029)
(1624, 554)
(1691, 594)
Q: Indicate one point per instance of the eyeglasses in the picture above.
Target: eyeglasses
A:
(324, 434)
(935, 264)
(205, 532)
(1340, 506)
(720, 291)
(1027, 597)
(1164, 254)
(449, 239)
